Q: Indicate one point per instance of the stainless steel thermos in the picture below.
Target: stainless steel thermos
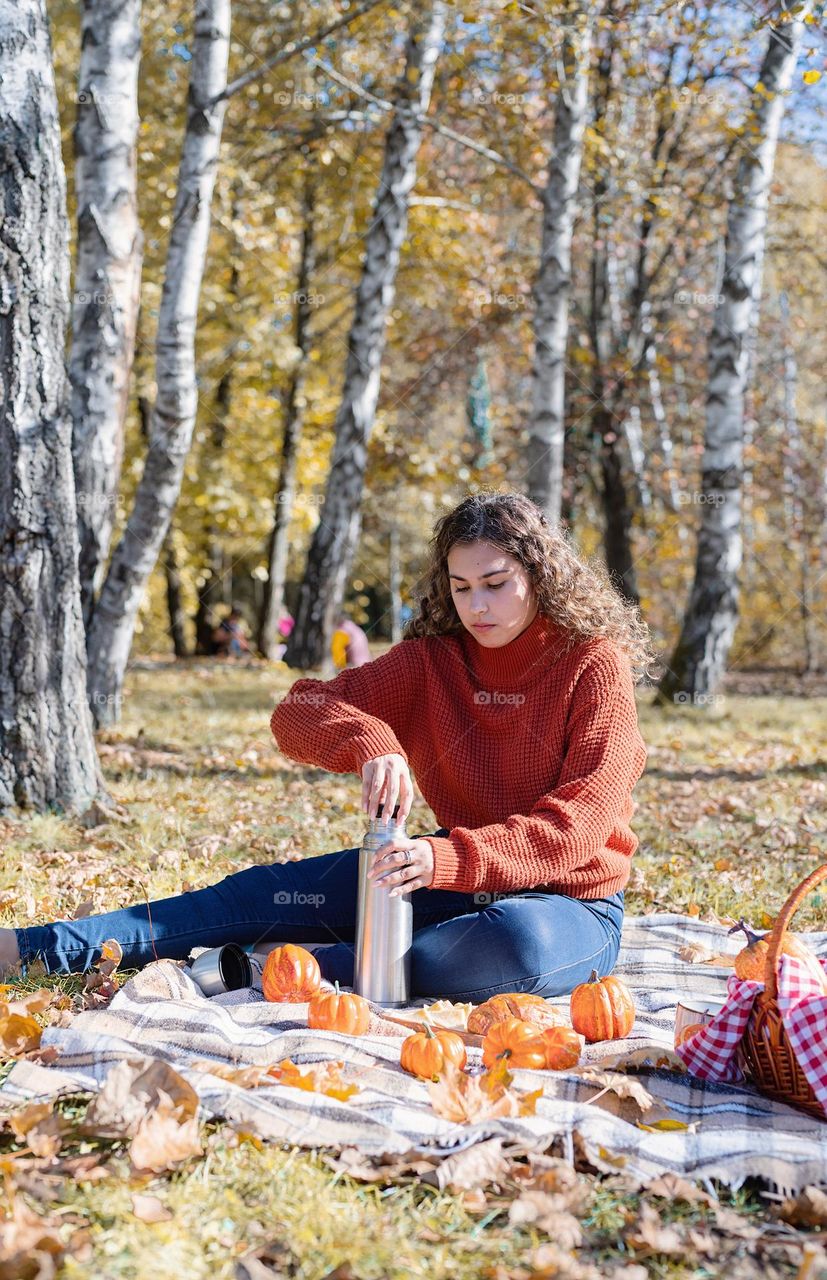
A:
(384, 925)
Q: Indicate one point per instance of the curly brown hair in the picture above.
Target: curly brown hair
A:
(574, 591)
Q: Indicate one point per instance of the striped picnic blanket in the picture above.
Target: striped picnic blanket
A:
(732, 1132)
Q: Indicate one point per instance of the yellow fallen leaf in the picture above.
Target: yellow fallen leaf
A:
(18, 1034)
(462, 1098)
(113, 951)
(662, 1126)
(320, 1077)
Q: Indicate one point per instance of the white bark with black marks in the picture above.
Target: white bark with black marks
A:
(274, 602)
(107, 285)
(699, 660)
(552, 288)
(337, 533)
(173, 414)
(47, 749)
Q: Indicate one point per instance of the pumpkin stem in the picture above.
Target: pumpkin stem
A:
(743, 927)
(595, 976)
(428, 1030)
(336, 986)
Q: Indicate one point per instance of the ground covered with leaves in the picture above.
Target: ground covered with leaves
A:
(730, 817)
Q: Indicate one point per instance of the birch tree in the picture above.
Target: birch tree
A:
(108, 271)
(336, 535)
(173, 414)
(47, 750)
(273, 604)
(552, 288)
(699, 658)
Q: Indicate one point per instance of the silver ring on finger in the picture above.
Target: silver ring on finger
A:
(408, 857)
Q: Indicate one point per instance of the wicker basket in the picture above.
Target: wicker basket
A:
(765, 1052)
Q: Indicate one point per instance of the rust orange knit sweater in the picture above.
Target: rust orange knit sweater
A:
(527, 753)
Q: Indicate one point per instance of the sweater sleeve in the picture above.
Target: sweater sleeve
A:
(564, 837)
(363, 712)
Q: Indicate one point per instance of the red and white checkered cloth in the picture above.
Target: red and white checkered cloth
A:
(710, 1053)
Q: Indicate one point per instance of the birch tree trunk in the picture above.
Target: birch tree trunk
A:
(173, 415)
(108, 271)
(47, 749)
(552, 288)
(794, 511)
(699, 659)
(334, 541)
(273, 604)
(606, 417)
(175, 606)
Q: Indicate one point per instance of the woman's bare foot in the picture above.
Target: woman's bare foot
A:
(9, 951)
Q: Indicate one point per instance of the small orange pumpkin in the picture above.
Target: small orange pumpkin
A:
(602, 1008)
(688, 1031)
(291, 975)
(339, 1011)
(562, 1048)
(519, 1043)
(751, 960)
(513, 1004)
(425, 1053)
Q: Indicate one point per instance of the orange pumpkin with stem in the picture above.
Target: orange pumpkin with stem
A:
(291, 975)
(513, 1004)
(562, 1045)
(339, 1011)
(519, 1043)
(602, 1008)
(751, 960)
(425, 1053)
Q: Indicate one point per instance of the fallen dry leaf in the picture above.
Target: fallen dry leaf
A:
(131, 1089)
(648, 1056)
(30, 1246)
(100, 983)
(474, 1167)
(541, 1210)
(319, 1077)
(462, 1098)
(671, 1186)
(39, 1126)
(19, 1034)
(806, 1209)
(650, 1235)
(30, 1003)
(694, 953)
(551, 1261)
(250, 1077)
(165, 1137)
(442, 1013)
(621, 1085)
(149, 1208)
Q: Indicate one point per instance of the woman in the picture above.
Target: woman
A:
(512, 697)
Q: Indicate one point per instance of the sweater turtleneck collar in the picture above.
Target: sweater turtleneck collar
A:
(522, 659)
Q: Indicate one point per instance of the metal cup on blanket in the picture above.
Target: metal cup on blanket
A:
(692, 1014)
(384, 925)
(222, 969)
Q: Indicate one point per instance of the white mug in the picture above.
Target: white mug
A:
(695, 1013)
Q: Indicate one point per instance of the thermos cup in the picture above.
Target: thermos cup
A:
(222, 969)
(384, 925)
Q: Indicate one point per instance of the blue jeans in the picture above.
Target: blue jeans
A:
(465, 946)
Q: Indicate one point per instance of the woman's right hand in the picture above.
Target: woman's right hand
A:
(386, 780)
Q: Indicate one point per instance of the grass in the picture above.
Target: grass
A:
(729, 821)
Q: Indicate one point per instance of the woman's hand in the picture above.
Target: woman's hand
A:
(406, 864)
(384, 780)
